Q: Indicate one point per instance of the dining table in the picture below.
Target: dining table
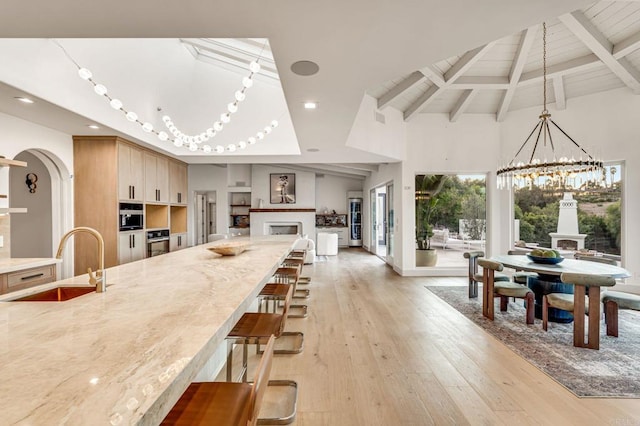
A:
(548, 281)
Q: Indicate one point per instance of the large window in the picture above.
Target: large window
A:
(538, 208)
(450, 218)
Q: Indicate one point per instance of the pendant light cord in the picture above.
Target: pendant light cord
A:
(544, 66)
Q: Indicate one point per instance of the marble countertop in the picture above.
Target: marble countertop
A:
(18, 264)
(125, 356)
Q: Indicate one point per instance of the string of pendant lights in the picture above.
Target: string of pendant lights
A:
(180, 139)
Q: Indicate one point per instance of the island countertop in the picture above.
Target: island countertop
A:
(125, 356)
(18, 264)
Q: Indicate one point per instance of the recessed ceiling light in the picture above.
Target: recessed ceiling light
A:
(310, 105)
(305, 68)
(93, 126)
(313, 150)
(23, 99)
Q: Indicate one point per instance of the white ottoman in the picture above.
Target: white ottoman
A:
(327, 244)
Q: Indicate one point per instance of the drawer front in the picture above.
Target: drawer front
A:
(30, 277)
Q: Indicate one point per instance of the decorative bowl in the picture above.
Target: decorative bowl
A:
(230, 248)
(545, 260)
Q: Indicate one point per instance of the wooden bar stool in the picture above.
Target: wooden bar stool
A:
(300, 254)
(256, 328)
(297, 262)
(223, 403)
(276, 291)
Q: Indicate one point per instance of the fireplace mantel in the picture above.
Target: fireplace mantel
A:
(281, 210)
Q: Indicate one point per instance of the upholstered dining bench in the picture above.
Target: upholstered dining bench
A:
(614, 300)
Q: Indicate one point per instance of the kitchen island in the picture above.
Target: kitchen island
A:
(125, 356)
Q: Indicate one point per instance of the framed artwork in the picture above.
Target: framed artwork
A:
(283, 188)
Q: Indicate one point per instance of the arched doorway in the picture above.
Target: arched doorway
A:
(49, 206)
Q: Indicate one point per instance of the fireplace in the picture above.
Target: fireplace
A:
(283, 228)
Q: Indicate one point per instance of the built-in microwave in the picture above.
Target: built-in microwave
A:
(131, 216)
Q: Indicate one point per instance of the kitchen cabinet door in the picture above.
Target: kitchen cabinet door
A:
(156, 173)
(177, 242)
(177, 182)
(131, 246)
(130, 173)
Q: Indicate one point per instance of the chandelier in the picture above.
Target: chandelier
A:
(563, 169)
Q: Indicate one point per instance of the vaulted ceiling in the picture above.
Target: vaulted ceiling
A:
(392, 53)
(588, 51)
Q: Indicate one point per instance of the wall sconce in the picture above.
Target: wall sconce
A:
(32, 178)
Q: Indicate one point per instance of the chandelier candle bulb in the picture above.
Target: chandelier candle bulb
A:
(85, 74)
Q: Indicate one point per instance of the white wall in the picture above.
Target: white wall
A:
(305, 187)
(331, 192)
(382, 138)
(31, 232)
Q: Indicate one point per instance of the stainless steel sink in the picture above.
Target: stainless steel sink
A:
(58, 294)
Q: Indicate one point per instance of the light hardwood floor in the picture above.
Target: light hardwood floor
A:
(381, 349)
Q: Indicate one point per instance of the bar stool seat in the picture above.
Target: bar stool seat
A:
(277, 291)
(223, 403)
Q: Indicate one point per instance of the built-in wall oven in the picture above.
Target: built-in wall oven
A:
(157, 242)
(131, 216)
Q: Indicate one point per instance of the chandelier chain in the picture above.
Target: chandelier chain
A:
(544, 66)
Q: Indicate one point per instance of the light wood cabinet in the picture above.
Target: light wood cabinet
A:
(177, 242)
(177, 182)
(131, 246)
(25, 278)
(130, 172)
(107, 170)
(156, 178)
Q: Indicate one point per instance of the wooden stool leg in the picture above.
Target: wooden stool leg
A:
(545, 312)
(530, 309)
(611, 317)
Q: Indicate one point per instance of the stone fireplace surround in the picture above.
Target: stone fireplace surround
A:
(262, 220)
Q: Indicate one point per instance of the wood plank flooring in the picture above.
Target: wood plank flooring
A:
(381, 349)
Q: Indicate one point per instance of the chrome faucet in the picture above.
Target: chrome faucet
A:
(98, 279)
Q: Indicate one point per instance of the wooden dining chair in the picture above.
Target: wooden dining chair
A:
(591, 304)
(520, 277)
(474, 276)
(502, 289)
(223, 403)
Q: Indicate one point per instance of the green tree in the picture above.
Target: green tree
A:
(613, 220)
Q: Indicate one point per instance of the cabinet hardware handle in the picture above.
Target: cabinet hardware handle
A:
(133, 192)
(32, 276)
(129, 241)
(134, 240)
(130, 192)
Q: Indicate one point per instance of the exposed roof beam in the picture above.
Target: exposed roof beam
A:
(424, 99)
(626, 46)
(578, 23)
(558, 90)
(466, 61)
(460, 67)
(396, 90)
(519, 60)
(434, 75)
(361, 166)
(583, 63)
(480, 82)
(462, 104)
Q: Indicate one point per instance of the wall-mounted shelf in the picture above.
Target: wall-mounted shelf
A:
(5, 210)
(5, 162)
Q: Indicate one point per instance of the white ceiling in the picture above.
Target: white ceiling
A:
(588, 51)
(346, 39)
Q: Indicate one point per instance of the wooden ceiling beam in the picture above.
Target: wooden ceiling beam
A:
(460, 67)
(480, 82)
(462, 104)
(586, 32)
(626, 46)
(558, 90)
(583, 63)
(396, 90)
(519, 61)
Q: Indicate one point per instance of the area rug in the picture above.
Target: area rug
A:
(612, 371)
